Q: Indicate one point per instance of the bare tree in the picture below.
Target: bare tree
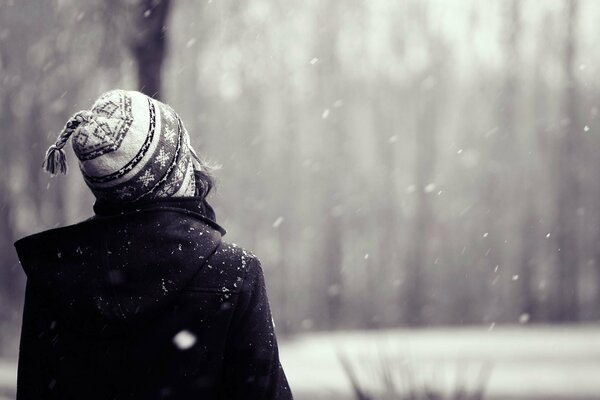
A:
(428, 97)
(149, 43)
(521, 216)
(567, 181)
(330, 87)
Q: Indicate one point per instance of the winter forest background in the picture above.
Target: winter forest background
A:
(394, 164)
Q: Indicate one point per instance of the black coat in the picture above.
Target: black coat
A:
(145, 302)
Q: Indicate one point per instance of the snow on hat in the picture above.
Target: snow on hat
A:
(130, 147)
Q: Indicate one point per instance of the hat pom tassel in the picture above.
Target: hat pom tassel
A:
(55, 160)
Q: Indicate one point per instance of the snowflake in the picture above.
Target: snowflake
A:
(184, 339)
(146, 179)
(163, 157)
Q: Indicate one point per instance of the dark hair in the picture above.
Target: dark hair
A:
(204, 183)
(203, 174)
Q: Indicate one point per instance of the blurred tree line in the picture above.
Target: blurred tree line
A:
(392, 163)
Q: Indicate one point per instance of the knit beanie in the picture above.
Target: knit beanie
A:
(130, 147)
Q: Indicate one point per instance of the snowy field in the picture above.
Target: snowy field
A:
(8, 376)
(526, 363)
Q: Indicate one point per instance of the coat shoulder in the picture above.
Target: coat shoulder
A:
(227, 269)
(235, 254)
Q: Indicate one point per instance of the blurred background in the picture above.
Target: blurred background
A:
(419, 178)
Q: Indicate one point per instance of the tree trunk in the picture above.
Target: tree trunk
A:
(520, 298)
(421, 230)
(331, 88)
(386, 262)
(428, 98)
(567, 185)
(149, 44)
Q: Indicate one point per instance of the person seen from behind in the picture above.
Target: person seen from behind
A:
(143, 300)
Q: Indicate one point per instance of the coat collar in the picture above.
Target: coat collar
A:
(193, 205)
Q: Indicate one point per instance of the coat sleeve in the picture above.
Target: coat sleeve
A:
(33, 377)
(252, 366)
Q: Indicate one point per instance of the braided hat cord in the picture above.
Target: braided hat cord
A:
(55, 159)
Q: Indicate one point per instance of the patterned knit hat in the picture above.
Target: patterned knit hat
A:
(130, 147)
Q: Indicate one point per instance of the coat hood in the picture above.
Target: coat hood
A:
(123, 267)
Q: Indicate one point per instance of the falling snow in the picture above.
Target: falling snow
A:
(277, 222)
(184, 340)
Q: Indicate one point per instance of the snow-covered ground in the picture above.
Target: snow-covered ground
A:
(8, 379)
(526, 362)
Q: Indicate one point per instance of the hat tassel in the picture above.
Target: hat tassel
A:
(55, 160)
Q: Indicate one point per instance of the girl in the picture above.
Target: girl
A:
(144, 300)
